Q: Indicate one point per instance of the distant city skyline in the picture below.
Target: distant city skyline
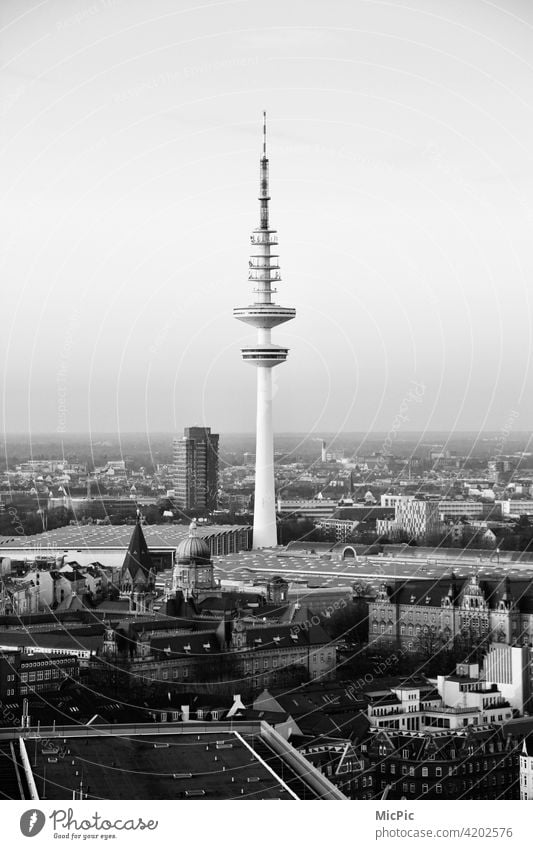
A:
(402, 191)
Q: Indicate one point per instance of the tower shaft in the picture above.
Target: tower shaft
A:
(265, 529)
(264, 314)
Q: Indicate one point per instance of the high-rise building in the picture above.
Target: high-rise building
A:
(264, 314)
(196, 462)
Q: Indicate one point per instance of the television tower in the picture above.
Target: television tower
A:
(264, 314)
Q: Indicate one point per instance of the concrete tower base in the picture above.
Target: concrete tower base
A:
(265, 530)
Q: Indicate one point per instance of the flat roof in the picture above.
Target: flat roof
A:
(262, 564)
(110, 536)
(154, 767)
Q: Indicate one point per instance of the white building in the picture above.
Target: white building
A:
(310, 508)
(462, 699)
(415, 517)
(508, 667)
(526, 769)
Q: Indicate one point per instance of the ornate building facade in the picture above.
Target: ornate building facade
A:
(478, 611)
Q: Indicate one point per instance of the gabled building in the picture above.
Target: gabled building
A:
(526, 768)
(137, 577)
(478, 612)
(199, 653)
(472, 763)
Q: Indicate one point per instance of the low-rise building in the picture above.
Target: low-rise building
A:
(478, 762)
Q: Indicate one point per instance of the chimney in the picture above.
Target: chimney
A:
(236, 706)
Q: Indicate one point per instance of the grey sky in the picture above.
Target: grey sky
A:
(401, 180)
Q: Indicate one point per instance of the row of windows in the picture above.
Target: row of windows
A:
(37, 688)
(45, 674)
(411, 788)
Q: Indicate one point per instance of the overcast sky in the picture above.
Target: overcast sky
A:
(401, 182)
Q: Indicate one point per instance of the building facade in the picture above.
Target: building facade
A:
(473, 763)
(196, 462)
(258, 656)
(414, 614)
(415, 517)
(526, 769)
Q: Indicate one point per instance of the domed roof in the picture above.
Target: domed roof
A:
(194, 547)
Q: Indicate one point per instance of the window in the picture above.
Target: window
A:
(438, 789)
(438, 771)
(424, 771)
(424, 788)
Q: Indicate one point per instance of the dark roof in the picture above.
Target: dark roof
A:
(232, 601)
(431, 592)
(191, 644)
(52, 640)
(285, 636)
(529, 745)
(137, 562)
(422, 745)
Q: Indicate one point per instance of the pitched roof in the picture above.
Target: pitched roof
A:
(191, 644)
(137, 562)
(431, 592)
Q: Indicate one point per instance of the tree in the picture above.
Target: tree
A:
(348, 623)
(434, 653)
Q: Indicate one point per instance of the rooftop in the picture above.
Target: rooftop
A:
(171, 761)
(110, 536)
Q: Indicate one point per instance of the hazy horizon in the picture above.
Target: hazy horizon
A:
(402, 191)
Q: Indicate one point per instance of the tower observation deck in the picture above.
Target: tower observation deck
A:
(264, 314)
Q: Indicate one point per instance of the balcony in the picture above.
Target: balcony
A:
(264, 237)
(264, 262)
(263, 275)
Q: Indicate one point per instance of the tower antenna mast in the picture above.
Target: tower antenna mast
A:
(264, 314)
